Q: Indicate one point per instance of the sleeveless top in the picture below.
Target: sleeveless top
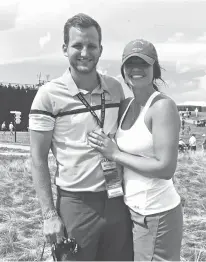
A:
(142, 194)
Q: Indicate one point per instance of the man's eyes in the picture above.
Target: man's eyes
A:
(79, 46)
(92, 46)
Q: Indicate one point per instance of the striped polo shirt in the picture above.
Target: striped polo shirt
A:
(56, 107)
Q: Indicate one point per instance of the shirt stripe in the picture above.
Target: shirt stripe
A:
(41, 112)
(72, 112)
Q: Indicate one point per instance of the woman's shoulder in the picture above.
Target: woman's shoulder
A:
(163, 101)
(165, 106)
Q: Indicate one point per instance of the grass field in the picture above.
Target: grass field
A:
(21, 236)
(21, 137)
(5, 149)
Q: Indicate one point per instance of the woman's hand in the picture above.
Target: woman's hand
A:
(103, 144)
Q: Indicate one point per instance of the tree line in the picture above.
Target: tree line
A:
(16, 98)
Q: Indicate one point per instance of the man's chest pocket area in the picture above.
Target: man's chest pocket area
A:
(74, 127)
(110, 123)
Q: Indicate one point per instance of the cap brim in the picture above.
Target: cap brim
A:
(146, 58)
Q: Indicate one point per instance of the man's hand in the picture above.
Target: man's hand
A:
(53, 229)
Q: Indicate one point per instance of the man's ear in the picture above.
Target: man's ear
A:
(64, 49)
(101, 49)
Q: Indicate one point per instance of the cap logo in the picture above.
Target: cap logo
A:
(137, 49)
(138, 41)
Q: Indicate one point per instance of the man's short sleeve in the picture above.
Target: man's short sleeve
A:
(41, 116)
(121, 90)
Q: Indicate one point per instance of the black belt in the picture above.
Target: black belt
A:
(65, 193)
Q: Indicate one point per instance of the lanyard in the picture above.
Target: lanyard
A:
(84, 101)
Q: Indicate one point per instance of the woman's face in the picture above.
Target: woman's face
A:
(138, 73)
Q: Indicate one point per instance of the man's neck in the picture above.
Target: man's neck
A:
(86, 82)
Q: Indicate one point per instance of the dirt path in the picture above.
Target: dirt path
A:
(14, 146)
(14, 154)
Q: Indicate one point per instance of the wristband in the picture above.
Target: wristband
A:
(50, 214)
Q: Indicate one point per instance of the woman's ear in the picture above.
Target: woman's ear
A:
(64, 49)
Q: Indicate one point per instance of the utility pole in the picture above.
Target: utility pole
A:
(39, 78)
(47, 77)
(17, 120)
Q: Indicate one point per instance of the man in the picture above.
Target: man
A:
(11, 128)
(183, 125)
(60, 119)
(182, 146)
(192, 143)
(3, 127)
(188, 130)
(196, 111)
(204, 145)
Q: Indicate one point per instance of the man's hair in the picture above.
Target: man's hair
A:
(81, 21)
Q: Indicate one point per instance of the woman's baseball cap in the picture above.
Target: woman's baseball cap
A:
(140, 48)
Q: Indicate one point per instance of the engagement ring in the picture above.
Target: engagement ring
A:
(100, 143)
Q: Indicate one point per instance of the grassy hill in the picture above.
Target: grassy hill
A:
(20, 216)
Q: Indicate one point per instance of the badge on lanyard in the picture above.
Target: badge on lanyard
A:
(112, 177)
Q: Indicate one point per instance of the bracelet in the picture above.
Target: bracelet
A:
(50, 214)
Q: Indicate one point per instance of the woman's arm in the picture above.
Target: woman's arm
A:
(165, 133)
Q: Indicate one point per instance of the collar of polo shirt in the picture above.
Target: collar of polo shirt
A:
(74, 90)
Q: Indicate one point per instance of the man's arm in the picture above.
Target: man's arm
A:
(40, 146)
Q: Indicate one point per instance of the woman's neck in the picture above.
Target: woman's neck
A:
(142, 97)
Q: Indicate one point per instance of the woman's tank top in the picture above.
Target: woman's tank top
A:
(142, 194)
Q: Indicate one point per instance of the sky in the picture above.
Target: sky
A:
(31, 38)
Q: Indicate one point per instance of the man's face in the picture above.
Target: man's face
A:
(83, 49)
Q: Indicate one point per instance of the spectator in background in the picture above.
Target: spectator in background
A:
(11, 128)
(204, 145)
(196, 111)
(183, 125)
(188, 130)
(3, 127)
(193, 143)
(182, 145)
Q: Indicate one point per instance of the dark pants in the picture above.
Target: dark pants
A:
(193, 148)
(158, 237)
(102, 227)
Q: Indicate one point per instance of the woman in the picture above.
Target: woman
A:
(147, 147)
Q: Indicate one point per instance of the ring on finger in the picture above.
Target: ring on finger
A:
(100, 143)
